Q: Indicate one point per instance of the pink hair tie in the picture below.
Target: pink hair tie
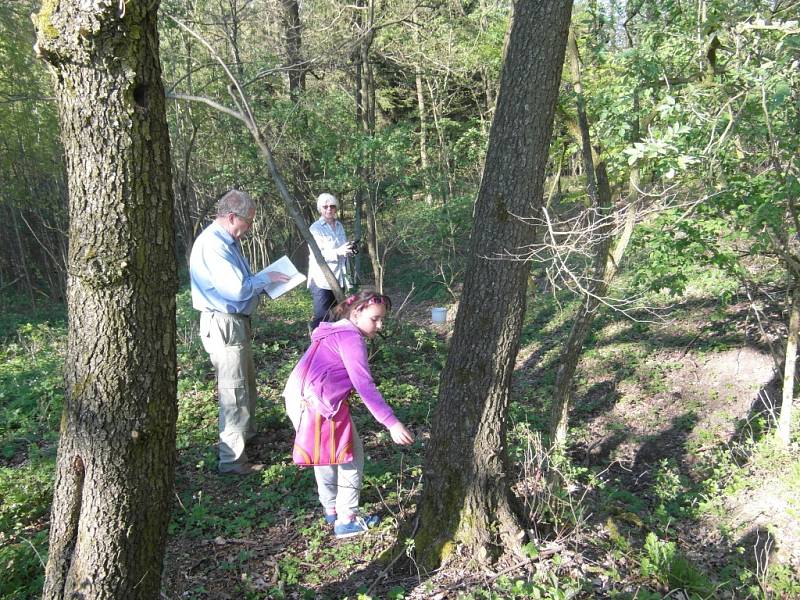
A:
(350, 300)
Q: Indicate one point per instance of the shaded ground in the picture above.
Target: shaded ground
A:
(642, 419)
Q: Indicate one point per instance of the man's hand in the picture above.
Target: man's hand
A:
(276, 276)
(401, 435)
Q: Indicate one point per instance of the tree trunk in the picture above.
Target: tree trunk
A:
(116, 456)
(365, 121)
(293, 44)
(188, 213)
(599, 192)
(444, 151)
(571, 353)
(606, 261)
(296, 73)
(372, 241)
(368, 115)
(231, 23)
(423, 126)
(22, 262)
(186, 201)
(467, 497)
(785, 422)
(358, 197)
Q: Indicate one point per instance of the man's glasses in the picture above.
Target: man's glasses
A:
(330, 207)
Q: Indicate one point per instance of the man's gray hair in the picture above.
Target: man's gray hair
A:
(237, 202)
(326, 199)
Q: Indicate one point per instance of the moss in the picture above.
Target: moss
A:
(43, 21)
(128, 45)
(80, 387)
(501, 208)
(446, 550)
(436, 540)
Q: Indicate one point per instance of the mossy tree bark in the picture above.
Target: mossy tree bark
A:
(116, 457)
(467, 498)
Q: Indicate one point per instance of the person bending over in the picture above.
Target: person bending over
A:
(334, 366)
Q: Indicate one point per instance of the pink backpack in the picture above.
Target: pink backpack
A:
(320, 441)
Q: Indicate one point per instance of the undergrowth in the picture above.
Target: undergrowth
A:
(32, 348)
(596, 527)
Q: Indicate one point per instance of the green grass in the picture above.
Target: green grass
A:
(31, 388)
(31, 395)
(625, 524)
(662, 561)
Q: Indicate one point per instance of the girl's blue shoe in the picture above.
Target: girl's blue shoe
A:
(357, 526)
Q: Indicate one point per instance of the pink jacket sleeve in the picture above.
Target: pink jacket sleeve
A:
(353, 352)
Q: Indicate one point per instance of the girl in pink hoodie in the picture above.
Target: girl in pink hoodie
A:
(336, 368)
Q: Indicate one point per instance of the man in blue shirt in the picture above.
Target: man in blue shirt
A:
(226, 293)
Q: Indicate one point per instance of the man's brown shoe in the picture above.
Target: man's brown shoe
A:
(241, 468)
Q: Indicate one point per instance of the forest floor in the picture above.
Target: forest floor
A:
(656, 501)
(670, 487)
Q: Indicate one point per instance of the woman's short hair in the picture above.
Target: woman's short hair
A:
(326, 199)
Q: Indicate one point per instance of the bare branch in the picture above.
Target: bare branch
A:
(207, 101)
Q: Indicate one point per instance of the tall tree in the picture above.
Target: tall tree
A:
(365, 96)
(245, 115)
(607, 251)
(296, 69)
(116, 457)
(467, 497)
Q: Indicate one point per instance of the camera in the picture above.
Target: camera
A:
(355, 246)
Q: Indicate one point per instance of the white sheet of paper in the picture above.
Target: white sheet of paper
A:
(285, 266)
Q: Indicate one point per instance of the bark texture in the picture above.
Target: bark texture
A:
(116, 457)
(467, 498)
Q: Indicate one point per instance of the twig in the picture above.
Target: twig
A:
(41, 562)
(689, 345)
(10, 283)
(220, 541)
(388, 567)
(547, 553)
(402, 306)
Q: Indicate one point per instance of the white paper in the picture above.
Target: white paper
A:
(285, 266)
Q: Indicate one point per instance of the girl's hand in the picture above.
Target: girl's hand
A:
(401, 435)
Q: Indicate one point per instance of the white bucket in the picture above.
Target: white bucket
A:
(439, 315)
